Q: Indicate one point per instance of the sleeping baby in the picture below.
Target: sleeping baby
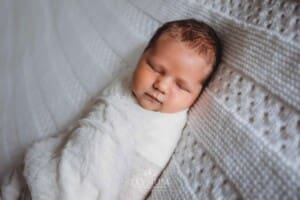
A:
(119, 149)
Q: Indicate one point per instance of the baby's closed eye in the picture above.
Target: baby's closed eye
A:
(183, 87)
(155, 68)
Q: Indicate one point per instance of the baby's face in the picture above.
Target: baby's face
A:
(169, 76)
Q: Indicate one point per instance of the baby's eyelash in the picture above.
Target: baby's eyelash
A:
(183, 88)
(149, 64)
(154, 68)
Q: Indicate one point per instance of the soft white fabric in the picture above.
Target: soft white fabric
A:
(53, 60)
(242, 136)
(115, 152)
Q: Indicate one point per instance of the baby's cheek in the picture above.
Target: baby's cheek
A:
(174, 96)
(185, 100)
(175, 91)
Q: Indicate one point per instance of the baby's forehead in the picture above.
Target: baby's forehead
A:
(202, 51)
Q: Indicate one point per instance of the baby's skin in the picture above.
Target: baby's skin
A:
(169, 76)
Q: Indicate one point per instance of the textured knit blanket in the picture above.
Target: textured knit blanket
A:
(242, 138)
(115, 152)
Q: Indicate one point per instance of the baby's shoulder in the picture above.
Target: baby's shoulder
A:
(120, 86)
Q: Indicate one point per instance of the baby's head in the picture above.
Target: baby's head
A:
(175, 66)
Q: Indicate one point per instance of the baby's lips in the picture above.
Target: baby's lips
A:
(159, 97)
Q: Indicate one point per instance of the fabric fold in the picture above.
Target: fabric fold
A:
(116, 152)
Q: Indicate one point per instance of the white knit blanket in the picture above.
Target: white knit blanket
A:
(116, 152)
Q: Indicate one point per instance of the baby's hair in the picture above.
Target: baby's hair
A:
(196, 34)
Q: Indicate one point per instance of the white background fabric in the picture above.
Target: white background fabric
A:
(54, 57)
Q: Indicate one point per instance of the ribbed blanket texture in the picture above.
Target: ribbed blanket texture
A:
(242, 139)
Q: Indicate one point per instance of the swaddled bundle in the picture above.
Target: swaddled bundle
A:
(116, 152)
(120, 148)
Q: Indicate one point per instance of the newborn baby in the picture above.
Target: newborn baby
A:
(119, 149)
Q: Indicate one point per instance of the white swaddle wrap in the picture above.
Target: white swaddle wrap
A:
(116, 152)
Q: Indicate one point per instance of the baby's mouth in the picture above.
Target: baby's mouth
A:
(153, 98)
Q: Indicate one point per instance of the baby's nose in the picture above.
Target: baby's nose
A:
(163, 84)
